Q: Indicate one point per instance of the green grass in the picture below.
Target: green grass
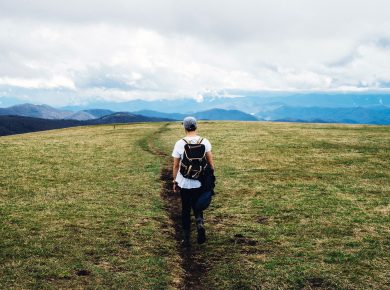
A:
(298, 206)
(80, 208)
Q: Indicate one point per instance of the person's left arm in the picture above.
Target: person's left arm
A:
(209, 155)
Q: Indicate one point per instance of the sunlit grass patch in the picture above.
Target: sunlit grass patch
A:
(80, 207)
(298, 205)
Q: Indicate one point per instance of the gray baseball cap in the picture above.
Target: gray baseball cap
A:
(189, 123)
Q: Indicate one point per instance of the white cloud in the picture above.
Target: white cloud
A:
(31, 83)
(118, 50)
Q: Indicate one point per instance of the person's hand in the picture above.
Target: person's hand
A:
(174, 187)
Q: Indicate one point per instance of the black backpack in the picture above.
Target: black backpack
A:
(194, 160)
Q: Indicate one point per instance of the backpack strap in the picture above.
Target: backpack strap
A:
(200, 140)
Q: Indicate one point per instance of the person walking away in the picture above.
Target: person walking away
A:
(191, 156)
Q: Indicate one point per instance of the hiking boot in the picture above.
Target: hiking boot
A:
(201, 232)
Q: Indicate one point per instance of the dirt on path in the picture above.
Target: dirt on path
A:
(194, 266)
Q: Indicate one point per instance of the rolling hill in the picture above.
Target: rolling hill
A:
(305, 206)
(10, 125)
(125, 117)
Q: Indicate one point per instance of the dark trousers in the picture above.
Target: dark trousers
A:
(189, 197)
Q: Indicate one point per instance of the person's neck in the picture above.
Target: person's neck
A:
(191, 134)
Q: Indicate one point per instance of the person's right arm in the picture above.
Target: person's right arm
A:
(176, 164)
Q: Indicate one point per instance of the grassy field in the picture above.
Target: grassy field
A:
(80, 208)
(298, 206)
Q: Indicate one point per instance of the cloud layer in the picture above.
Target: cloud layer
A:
(71, 52)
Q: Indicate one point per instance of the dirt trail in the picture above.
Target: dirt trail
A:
(193, 264)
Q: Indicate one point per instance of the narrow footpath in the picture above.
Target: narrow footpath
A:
(193, 264)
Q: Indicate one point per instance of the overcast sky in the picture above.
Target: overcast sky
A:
(71, 52)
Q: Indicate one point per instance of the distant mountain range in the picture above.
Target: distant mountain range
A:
(97, 113)
(250, 104)
(30, 118)
(319, 108)
(36, 111)
(47, 112)
(358, 115)
(213, 114)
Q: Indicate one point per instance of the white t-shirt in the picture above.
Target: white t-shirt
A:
(178, 152)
